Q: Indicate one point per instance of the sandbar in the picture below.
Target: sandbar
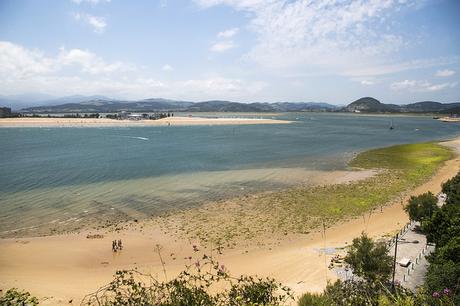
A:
(105, 122)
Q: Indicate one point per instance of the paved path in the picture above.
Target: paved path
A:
(413, 246)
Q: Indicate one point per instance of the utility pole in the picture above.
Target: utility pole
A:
(394, 260)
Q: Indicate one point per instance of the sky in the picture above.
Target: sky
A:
(336, 51)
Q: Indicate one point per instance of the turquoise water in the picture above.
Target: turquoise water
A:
(69, 177)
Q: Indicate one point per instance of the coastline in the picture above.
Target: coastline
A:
(104, 122)
(89, 263)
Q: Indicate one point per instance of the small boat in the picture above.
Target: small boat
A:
(391, 125)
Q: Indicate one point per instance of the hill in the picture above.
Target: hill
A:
(158, 105)
(369, 105)
(372, 105)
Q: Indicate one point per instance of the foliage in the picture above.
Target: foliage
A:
(443, 276)
(448, 252)
(421, 207)
(369, 260)
(452, 189)
(13, 297)
(358, 292)
(443, 225)
(444, 229)
(191, 287)
(250, 291)
(314, 299)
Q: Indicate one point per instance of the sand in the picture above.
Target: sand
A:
(58, 269)
(104, 122)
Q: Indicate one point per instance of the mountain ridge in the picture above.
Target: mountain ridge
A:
(102, 104)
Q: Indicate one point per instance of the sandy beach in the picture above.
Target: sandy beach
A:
(64, 268)
(104, 122)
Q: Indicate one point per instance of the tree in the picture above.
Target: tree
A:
(369, 259)
(452, 189)
(444, 276)
(443, 225)
(421, 207)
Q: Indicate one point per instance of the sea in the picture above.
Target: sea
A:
(72, 178)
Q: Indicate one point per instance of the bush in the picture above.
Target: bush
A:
(421, 207)
(13, 297)
(444, 276)
(314, 299)
(452, 189)
(190, 287)
(369, 259)
(358, 292)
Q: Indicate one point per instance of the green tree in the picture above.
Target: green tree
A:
(452, 189)
(369, 259)
(443, 225)
(444, 276)
(421, 207)
(448, 252)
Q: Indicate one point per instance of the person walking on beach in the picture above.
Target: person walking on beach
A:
(120, 246)
(114, 246)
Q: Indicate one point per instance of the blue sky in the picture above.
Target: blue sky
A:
(399, 51)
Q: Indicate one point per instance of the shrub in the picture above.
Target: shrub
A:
(421, 207)
(314, 299)
(191, 287)
(369, 259)
(452, 189)
(13, 297)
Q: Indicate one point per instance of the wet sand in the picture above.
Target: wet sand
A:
(66, 267)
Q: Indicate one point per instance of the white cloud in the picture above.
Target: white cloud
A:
(445, 73)
(94, 2)
(228, 33)
(90, 63)
(388, 67)
(77, 71)
(420, 86)
(367, 82)
(219, 87)
(167, 67)
(18, 62)
(23, 63)
(97, 23)
(222, 46)
(323, 36)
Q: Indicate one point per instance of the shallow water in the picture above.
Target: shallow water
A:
(67, 176)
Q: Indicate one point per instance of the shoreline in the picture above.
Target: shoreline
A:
(104, 122)
(89, 263)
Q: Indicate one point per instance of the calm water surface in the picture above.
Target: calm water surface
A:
(52, 177)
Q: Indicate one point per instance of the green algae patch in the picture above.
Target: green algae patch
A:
(302, 209)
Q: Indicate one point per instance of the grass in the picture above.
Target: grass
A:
(302, 209)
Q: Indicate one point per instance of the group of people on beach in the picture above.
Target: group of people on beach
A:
(116, 245)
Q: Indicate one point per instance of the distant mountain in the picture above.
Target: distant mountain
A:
(72, 99)
(157, 104)
(110, 106)
(430, 106)
(372, 105)
(101, 104)
(17, 102)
